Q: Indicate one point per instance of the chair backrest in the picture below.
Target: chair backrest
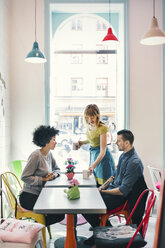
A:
(12, 188)
(132, 198)
(7, 199)
(155, 174)
(144, 223)
(17, 167)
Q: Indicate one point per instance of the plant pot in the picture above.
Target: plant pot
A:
(70, 175)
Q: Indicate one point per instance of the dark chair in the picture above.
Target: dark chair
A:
(125, 236)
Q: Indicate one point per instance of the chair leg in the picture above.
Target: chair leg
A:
(49, 231)
(44, 236)
(119, 217)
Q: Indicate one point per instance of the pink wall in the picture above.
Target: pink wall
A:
(145, 85)
(27, 80)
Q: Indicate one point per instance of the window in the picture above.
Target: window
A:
(77, 86)
(101, 86)
(100, 26)
(84, 70)
(101, 58)
(76, 25)
(76, 58)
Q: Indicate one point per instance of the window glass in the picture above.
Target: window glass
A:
(85, 71)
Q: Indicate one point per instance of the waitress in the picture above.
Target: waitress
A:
(101, 161)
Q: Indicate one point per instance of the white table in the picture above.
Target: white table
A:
(54, 200)
(62, 181)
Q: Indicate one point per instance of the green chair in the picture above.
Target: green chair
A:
(17, 167)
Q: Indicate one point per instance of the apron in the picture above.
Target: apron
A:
(105, 168)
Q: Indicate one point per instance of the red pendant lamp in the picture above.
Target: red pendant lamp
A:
(110, 36)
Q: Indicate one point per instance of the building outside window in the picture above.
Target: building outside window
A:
(102, 87)
(100, 26)
(76, 25)
(73, 84)
(77, 86)
(76, 58)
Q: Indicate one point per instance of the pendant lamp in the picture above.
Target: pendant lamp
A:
(35, 55)
(110, 36)
(154, 36)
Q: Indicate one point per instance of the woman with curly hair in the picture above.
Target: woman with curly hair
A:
(41, 167)
(101, 161)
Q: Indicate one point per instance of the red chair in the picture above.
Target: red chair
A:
(123, 210)
(126, 235)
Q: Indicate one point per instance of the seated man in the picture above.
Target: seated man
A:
(127, 182)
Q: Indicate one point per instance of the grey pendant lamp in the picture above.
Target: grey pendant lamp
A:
(35, 55)
(154, 36)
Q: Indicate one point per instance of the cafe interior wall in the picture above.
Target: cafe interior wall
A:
(27, 80)
(146, 118)
(4, 85)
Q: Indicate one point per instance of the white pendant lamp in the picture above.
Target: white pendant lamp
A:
(35, 55)
(155, 36)
(110, 37)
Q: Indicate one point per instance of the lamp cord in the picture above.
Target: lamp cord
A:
(154, 8)
(35, 21)
(109, 14)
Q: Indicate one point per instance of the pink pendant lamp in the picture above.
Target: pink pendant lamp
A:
(110, 36)
(154, 36)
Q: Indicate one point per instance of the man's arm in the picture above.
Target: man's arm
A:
(105, 185)
(115, 191)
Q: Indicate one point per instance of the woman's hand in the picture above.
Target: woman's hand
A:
(80, 143)
(48, 177)
(91, 168)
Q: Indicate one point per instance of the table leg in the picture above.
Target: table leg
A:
(70, 241)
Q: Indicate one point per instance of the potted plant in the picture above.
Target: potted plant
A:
(70, 168)
(73, 190)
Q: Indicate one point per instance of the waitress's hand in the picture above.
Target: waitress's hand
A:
(91, 168)
(80, 143)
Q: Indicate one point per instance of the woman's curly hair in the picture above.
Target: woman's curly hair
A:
(43, 134)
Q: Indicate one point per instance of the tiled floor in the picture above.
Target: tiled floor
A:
(59, 230)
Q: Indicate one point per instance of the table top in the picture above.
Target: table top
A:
(54, 200)
(62, 181)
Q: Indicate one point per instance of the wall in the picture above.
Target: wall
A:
(4, 85)
(27, 84)
(145, 85)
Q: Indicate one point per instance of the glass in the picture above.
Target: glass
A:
(87, 78)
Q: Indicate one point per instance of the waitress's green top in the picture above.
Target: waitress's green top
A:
(93, 136)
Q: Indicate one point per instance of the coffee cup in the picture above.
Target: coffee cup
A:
(86, 174)
(75, 146)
